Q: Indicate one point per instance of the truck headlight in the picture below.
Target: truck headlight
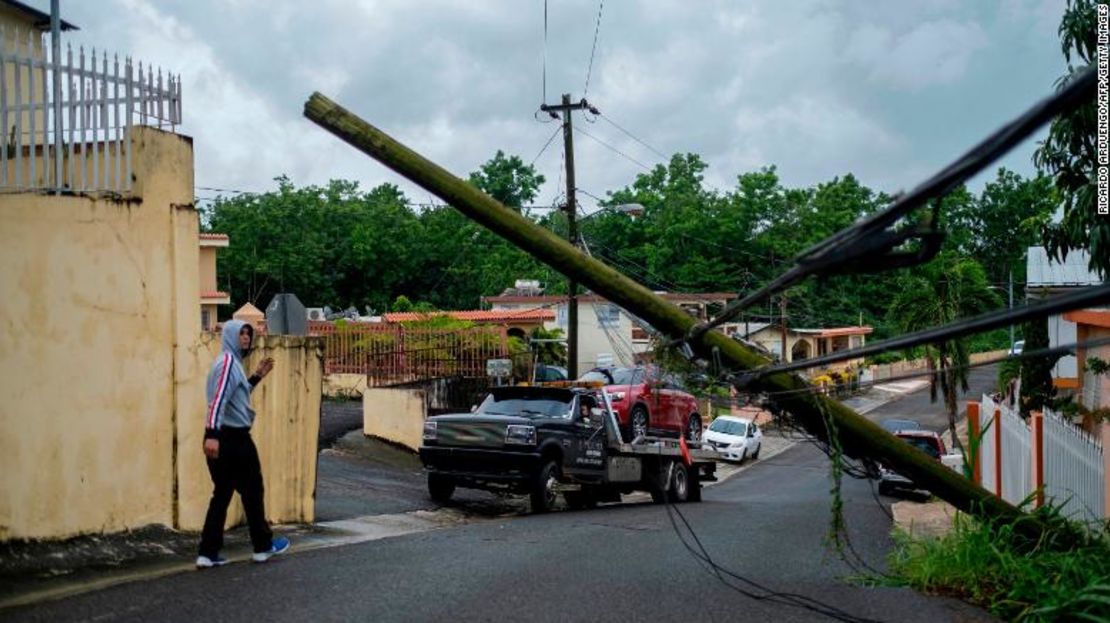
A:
(520, 434)
(429, 431)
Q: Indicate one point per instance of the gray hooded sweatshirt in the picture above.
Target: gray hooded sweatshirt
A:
(229, 389)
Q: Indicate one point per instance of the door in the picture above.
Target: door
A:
(585, 458)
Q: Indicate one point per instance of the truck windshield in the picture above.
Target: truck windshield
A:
(524, 407)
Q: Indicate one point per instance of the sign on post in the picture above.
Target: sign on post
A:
(499, 368)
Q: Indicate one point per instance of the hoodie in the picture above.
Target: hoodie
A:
(229, 389)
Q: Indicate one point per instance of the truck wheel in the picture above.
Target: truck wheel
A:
(679, 489)
(543, 488)
(440, 488)
(695, 486)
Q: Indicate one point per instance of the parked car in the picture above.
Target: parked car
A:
(893, 425)
(646, 401)
(1017, 348)
(926, 441)
(547, 373)
(734, 438)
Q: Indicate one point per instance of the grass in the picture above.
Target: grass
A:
(991, 566)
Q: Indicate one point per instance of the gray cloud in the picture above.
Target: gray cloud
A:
(889, 91)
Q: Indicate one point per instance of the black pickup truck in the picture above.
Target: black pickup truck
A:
(544, 441)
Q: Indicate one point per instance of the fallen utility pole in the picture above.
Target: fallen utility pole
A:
(858, 436)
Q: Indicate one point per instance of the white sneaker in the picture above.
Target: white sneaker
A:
(204, 562)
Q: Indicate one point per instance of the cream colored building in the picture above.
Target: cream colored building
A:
(802, 343)
(210, 295)
(607, 334)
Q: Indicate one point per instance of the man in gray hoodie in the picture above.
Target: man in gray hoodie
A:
(231, 455)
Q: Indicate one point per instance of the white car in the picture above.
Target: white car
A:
(734, 438)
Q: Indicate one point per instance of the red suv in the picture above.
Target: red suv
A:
(647, 400)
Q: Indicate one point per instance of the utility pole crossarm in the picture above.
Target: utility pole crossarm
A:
(859, 437)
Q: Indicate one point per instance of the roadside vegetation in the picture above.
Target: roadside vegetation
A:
(988, 564)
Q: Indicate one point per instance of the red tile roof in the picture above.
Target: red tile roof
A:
(501, 315)
(214, 294)
(212, 236)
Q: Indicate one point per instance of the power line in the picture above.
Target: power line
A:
(1086, 297)
(597, 29)
(545, 145)
(544, 100)
(634, 137)
(861, 246)
(615, 150)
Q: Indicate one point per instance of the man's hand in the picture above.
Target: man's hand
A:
(265, 367)
(212, 448)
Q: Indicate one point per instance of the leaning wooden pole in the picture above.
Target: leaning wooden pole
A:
(858, 436)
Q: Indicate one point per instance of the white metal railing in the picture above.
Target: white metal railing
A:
(1074, 470)
(1017, 457)
(79, 142)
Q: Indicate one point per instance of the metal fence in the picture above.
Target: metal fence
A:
(1015, 460)
(1074, 470)
(77, 141)
(391, 354)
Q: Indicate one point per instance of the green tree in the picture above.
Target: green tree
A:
(552, 353)
(1037, 391)
(508, 180)
(944, 290)
(1070, 153)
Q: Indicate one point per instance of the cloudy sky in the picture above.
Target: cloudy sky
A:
(889, 91)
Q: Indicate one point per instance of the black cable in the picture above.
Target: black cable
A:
(545, 145)
(593, 50)
(635, 138)
(851, 244)
(614, 149)
(544, 100)
(1087, 297)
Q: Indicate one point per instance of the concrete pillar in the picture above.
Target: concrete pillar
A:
(1036, 428)
(973, 428)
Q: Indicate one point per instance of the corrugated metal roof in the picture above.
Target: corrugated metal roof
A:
(504, 315)
(1043, 272)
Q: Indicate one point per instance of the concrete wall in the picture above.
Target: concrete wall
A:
(287, 405)
(344, 385)
(396, 415)
(91, 297)
(102, 364)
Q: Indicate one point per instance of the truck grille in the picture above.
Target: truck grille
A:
(476, 435)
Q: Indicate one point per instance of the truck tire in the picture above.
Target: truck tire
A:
(679, 487)
(695, 486)
(543, 487)
(440, 488)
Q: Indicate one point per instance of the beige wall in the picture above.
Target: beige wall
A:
(102, 366)
(208, 269)
(287, 406)
(396, 415)
(344, 385)
(90, 295)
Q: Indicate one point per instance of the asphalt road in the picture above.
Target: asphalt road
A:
(624, 562)
(931, 415)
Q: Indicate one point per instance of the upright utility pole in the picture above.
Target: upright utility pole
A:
(1011, 307)
(572, 221)
(782, 316)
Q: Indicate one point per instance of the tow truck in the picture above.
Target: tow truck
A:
(551, 441)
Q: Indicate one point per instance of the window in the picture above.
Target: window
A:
(561, 316)
(205, 320)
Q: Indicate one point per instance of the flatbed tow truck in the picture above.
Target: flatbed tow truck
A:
(551, 441)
